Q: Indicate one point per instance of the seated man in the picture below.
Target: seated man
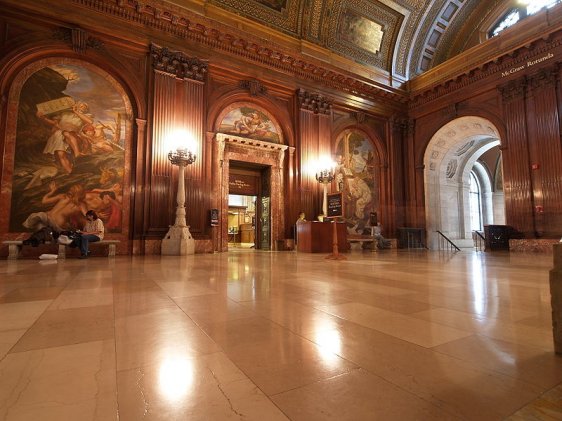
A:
(380, 241)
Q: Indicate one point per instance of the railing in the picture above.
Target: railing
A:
(446, 244)
(410, 238)
(479, 241)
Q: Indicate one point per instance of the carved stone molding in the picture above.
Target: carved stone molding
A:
(488, 67)
(411, 127)
(452, 110)
(313, 102)
(545, 78)
(177, 63)
(514, 90)
(360, 117)
(399, 122)
(254, 86)
(79, 39)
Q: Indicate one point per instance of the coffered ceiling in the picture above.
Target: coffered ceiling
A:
(400, 37)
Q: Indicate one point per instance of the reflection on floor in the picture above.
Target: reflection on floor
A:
(255, 335)
(241, 245)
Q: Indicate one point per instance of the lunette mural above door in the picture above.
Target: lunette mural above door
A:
(70, 144)
(249, 121)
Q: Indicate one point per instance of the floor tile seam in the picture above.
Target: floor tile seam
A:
(516, 343)
(201, 327)
(321, 380)
(472, 315)
(31, 326)
(360, 368)
(400, 316)
(491, 370)
(113, 293)
(388, 335)
(527, 404)
(61, 346)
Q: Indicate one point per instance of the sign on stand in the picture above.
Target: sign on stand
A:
(335, 205)
(335, 210)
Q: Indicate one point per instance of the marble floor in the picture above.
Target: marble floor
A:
(250, 335)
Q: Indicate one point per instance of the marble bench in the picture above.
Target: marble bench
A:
(14, 248)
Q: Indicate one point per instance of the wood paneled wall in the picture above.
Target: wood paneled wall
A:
(520, 95)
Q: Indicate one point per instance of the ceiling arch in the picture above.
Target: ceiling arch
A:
(400, 37)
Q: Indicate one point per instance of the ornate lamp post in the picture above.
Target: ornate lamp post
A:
(325, 176)
(178, 240)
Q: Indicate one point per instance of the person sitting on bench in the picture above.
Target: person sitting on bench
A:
(93, 232)
(381, 242)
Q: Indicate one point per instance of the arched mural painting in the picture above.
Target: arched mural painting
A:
(73, 124)
(355, 177)
(248, 121)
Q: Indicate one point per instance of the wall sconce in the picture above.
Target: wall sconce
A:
(178, 240)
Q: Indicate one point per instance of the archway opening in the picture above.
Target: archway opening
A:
(463, 182)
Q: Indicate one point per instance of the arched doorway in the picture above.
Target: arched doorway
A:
(248, 137)
(464, 149)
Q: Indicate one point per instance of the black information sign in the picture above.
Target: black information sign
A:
(335, 205)
(214, 217)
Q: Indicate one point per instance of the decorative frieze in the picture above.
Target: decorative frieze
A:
(180, 25)
(313, 102)
(511, 62)
(177, 63)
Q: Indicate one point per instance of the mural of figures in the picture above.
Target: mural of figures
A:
(250, 122)
(355, 156)
(70, 150)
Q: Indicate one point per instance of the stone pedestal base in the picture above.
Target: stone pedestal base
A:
(178, 242)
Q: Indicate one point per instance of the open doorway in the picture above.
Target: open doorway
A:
(241, 221)
(263, 162)
(249, 203)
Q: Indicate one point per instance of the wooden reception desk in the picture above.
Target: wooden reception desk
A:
(316, 237)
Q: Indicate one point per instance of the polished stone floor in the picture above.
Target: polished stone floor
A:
(249, 335)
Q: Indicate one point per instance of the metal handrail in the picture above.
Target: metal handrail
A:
(444, 240)
(479, 240)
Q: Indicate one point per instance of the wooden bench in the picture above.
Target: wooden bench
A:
(360, 240)
(14, 248)
(369, 243)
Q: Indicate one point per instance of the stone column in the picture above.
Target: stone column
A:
(556, 297)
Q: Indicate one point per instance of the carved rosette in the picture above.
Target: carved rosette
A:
(313, 102)
(178, 64)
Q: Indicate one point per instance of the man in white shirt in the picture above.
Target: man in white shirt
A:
(93, 232)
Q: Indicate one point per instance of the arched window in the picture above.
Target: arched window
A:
(475, 204)
(515, 14)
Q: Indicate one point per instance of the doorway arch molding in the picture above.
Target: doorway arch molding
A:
(448, 159)
(228, 148)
